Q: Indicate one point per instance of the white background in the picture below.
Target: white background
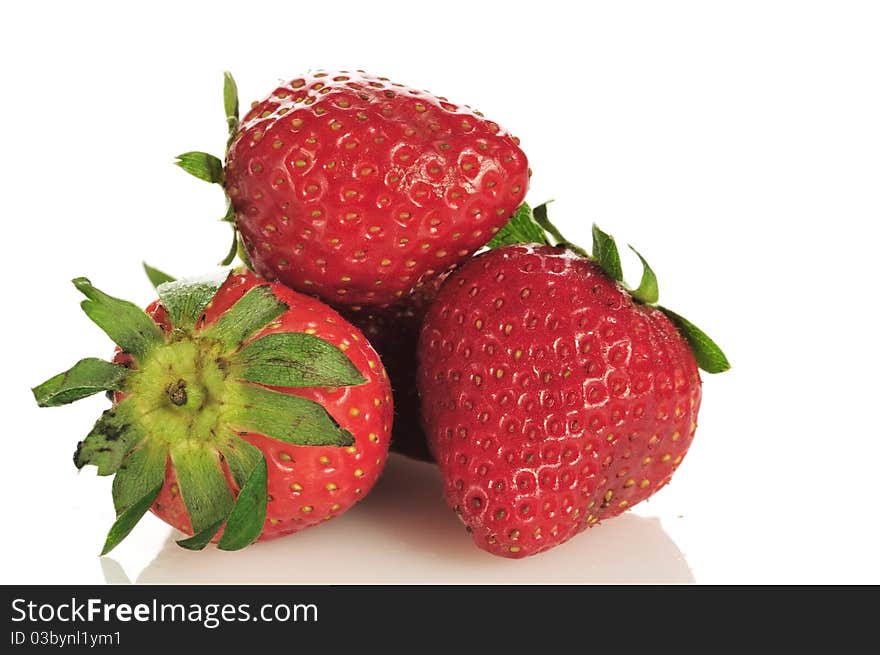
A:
(736, 144)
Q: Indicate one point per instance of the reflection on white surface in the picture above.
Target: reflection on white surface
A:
(113, 572)
(404, 533)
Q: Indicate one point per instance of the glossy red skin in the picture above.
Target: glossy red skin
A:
(394, 333)
(355, 189)
(353, 470)
(592, 416)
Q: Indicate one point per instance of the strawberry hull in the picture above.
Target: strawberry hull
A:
(551, 399)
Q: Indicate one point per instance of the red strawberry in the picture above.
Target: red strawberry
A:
(242, 410)
(553, 397)
(394, 333)
(356, 189)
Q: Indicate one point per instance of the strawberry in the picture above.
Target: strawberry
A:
(356, 189)
(242, 410)
(394, 333)
(553, 396)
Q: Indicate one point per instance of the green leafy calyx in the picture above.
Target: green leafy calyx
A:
(191, 395)
(87, 377)
(521, 228)
(201, 165)
(230, 102)
(529, 225)
(156, 276)
(210, 168)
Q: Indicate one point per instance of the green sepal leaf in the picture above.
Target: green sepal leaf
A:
(111, 439)
(539, 213)
(246, 520)
(285, 417)
(521, 228)
(201, 539)
(156, 276)
(202, 165)
(141, 470)
(185, 300)
(236, 246)
(709, 356)
(126, 521)
(233, 250)
(606, 255)
(86, 377)
(253, 311)
(203, 485)
(125, 323)
(648, 292)
(296, 360)
(229, 216)
(136, 485)
(230, 101)
(243, 256)
(241, 457)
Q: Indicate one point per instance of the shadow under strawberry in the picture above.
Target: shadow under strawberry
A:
(394, 333)
(405, 537)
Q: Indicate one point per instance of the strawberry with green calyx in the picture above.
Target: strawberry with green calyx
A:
(242, 410)
(554, 396)
(356, 189)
